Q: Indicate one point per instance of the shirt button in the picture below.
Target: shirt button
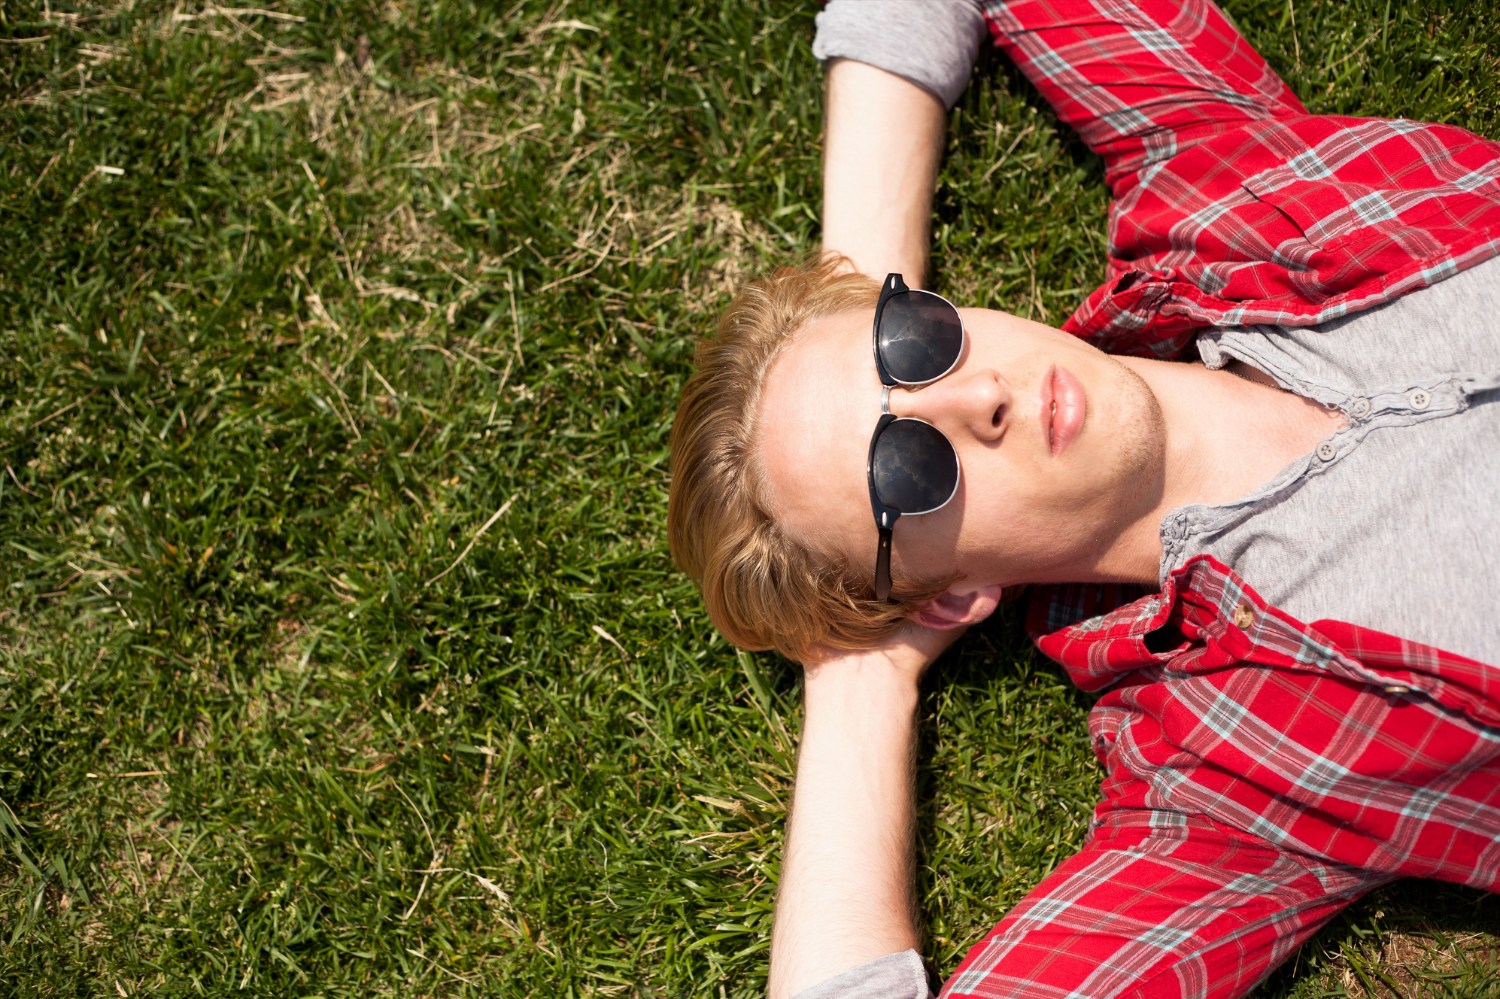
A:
(1242, 616)
(1397, 688)
(1419, 398)
(1361, 408)
(1327, 451)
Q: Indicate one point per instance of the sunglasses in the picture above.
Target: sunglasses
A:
(913, 467)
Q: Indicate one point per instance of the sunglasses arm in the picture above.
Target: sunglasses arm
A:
(883, 566)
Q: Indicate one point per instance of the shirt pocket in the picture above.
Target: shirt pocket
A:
(1332, 213)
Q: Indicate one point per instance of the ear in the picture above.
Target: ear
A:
(959, 609)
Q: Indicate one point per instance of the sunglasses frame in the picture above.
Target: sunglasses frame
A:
(886, 517)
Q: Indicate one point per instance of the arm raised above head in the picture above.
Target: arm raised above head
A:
(846, 877)
(883, 142)
(894, 68)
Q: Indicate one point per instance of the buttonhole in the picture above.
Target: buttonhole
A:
(1164, 639)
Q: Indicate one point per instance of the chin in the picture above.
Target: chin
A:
(1130, 434)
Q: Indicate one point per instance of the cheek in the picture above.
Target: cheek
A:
(1003, 484)
(1018, 526)
(1025, 513)
(925, 545)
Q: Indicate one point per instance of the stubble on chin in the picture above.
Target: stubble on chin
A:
(1140, 457)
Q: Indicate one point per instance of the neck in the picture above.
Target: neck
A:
(1225, 437)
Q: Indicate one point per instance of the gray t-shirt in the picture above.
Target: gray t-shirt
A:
(895, 976)
(1392, 523)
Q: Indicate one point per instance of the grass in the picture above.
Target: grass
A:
(294, 303)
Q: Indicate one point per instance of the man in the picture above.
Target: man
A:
(1318, 485)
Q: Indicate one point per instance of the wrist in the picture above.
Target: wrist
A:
(870, 695)
(866, 708)
(895, 668)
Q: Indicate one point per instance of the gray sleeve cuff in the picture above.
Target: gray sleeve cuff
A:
(932, 43)
(895, 976)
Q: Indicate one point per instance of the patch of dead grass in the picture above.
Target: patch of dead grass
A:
(1408, 959)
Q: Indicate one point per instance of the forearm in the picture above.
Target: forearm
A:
(846, 876)
(882, 146)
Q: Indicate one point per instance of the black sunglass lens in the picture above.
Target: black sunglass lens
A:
(920, 336)
(915, 468)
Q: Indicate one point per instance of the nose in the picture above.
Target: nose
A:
(978, 403)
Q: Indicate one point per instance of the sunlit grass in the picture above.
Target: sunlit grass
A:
(293, 303)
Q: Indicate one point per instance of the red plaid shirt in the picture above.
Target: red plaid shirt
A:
(1183, 650)
(1262, 772)
(1233, 205)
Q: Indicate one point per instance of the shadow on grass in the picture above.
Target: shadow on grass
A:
(1412, 938)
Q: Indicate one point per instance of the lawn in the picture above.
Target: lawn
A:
(341, 652)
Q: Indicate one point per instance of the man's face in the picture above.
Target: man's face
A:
(1061, 446)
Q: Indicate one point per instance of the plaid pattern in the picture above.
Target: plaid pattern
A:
(1262, 774)
(1190, 910)
(1233, 205)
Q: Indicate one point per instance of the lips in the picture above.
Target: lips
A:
(1063, 408)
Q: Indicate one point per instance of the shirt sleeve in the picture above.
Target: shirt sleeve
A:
(1140, 80)
(895, 976)
(932, 43)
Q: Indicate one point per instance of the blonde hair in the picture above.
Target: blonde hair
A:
(765, 589)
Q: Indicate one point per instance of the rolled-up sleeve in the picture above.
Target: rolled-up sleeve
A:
(932, 43)
(895, 976)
